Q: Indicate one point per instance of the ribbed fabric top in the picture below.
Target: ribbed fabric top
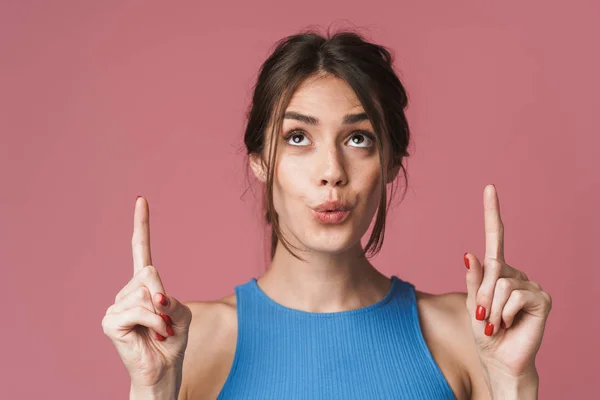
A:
(374, 352)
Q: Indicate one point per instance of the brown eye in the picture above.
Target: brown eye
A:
(295, 138)
(361, 140)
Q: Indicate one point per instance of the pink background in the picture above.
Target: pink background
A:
(104, 100)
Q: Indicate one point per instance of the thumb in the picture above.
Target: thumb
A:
(474, 279)
(179, 313)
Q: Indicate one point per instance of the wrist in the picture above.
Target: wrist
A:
(523, 387)
(165, 389)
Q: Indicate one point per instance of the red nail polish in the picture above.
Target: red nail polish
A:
(170, 331)
(489, 329)
(466, 261)
(167, 319)
(502, 325)
(160, 337)
(480, 313)
(163, 300)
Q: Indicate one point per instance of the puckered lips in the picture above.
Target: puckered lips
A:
(331, 212)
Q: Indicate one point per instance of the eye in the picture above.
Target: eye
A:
(361, 139)
(296, 137)
(365, 139)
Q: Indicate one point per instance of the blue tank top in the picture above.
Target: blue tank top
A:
(374, 352)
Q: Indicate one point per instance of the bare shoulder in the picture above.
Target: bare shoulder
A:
(210, 349)
(447, 331)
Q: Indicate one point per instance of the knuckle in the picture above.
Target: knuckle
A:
(519, 296)
(536, 286)
(143, 274)
(185, 310)
(548, 299)
(504, 285)
(149, 271)
(106, 325)
(483, 300)
(142, 293)
(493, 264)
(138, 241)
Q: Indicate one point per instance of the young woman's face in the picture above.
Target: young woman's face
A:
(327, 151)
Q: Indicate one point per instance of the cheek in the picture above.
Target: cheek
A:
(368, 184)
(290, 183)
(367, 179)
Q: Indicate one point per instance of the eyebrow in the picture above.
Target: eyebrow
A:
(307, 119)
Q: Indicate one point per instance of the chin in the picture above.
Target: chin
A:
(326, 238)
(330, 241)
(328, 249)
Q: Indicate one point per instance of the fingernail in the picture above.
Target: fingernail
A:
(466, 261)
(502, 325)
(159, 337)
(137, 197)
(163, 300)
(170, 331)
(489, 329)
(480, 313)
(167, 319)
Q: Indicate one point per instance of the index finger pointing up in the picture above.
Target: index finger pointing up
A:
(140, 242)
(494, 229)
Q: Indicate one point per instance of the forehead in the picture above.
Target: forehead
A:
(324, 95)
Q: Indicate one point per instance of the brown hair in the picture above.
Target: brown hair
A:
(367, 68)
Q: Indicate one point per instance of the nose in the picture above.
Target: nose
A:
(331, 171)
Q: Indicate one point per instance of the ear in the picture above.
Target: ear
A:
(257, 167)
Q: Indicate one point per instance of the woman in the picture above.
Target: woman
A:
(326, 135)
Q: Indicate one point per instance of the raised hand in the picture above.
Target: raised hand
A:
(148, 328)
(508, 311)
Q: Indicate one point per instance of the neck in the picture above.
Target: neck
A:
(325, 282)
